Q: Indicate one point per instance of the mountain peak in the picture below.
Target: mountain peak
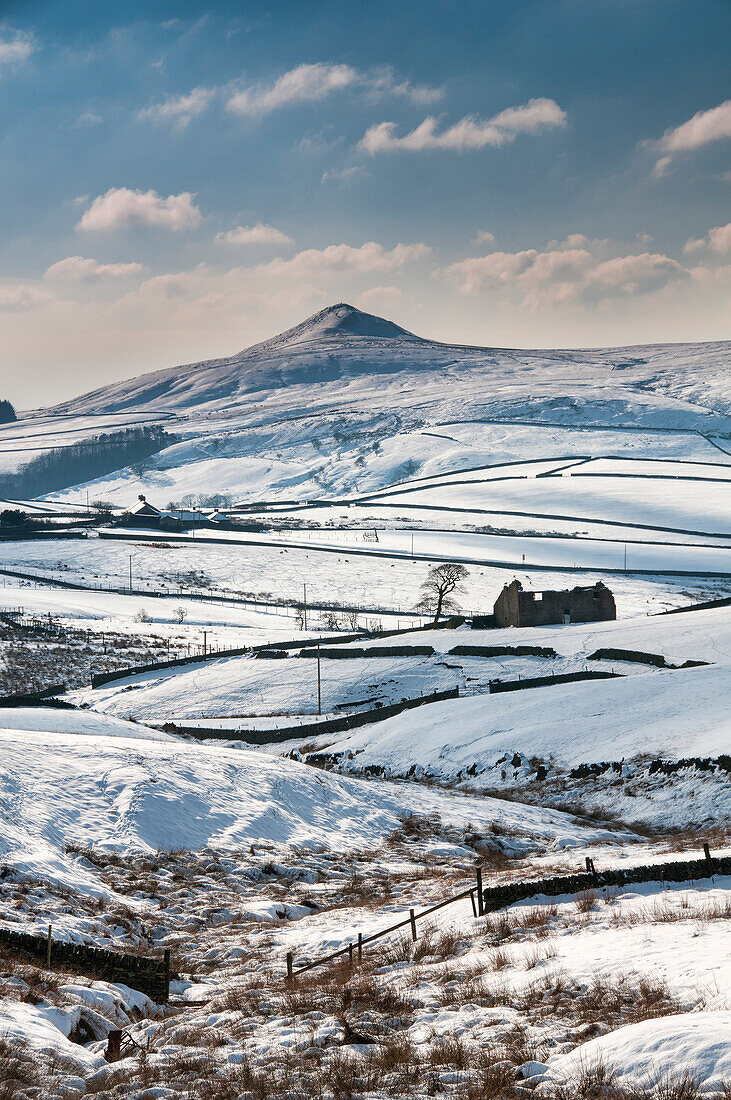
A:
(342, 320)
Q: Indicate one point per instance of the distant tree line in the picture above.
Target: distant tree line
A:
(191, 501)
(7, 413)
(84, 461)
(14, 522)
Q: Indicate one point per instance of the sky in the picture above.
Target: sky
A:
(180, 180)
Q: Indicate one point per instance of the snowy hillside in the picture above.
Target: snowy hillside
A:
(347, 402)
(350, 357)
(350, 456)
(142, 792)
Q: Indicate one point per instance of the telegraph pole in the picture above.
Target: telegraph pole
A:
(304, 588)
(205, 634)
(130, 574)
(319, 690)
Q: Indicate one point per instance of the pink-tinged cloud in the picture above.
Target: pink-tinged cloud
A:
(82, 269)
(22, 297)
(335, 258)
(121, 208)
(259, 234)
(574, 270)
(717, 240)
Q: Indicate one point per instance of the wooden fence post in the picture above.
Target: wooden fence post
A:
(49, 941)
(412, 918)
(166, 961)
(350, 955)
(289, 967)
(360, 947)
(480, 898)
(114, 1043)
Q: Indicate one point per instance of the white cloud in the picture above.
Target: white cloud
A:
(574, 270)
(179, 109)
(702, 129)
(22, 297)
(259, 234)
(485, 238)
(15, 48)
(717, 239)
(336, 258)
(384, 82)
(312, 83)
(121, 207)
(380, 298)
(79, 269)
(307, 280)
(310, 277)
(306, 83)
(343, 175)
(468, 133)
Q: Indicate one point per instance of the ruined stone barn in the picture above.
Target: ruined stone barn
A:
(588, 604)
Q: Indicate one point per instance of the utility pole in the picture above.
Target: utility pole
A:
(412, 545)
(205, 635)
(130, 574)
(304, 605)
(319, 689)
(625, 557)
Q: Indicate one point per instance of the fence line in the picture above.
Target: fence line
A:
(473, 892)
(213, 655)
(28, 698)
(210, 596)
(487, 900)
(265, 649)
(310, 729)
(495, 686)
(497, 897)
(150, 975)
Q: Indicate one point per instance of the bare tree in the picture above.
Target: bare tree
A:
(442, 583)
(351, 620)
(180, 614)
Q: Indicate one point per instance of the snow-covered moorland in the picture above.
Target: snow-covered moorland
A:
(360, 455)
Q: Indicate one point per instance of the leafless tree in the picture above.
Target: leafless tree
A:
(442, 583)
(180, 614)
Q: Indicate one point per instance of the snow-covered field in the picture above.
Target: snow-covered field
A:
(243, 686)
(558, 468)
(279, 573)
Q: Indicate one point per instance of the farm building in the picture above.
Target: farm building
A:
(589, 604)
(143, 514)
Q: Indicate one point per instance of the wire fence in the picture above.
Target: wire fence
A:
(279, 605)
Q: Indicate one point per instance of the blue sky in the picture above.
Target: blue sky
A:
(180, 180)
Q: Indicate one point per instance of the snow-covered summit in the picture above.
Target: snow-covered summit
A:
(340, 320)
(344, 359)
